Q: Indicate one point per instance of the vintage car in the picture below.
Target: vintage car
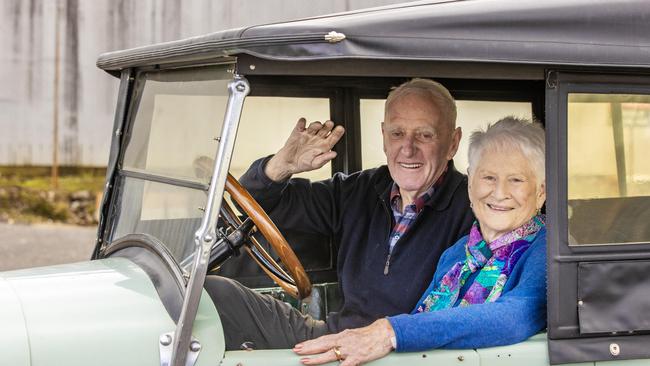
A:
(192, 110)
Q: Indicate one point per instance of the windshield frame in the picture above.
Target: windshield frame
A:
(206, 236)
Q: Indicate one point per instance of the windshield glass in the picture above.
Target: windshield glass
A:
(167, 163)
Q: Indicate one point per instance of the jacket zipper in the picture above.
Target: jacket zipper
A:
(390, 221)
(390, 218)
(387, 264)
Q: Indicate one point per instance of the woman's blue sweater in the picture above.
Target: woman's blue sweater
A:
(517, 314)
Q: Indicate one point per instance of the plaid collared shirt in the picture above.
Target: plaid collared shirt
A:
(404, 220)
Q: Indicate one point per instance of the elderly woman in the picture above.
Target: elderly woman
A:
(489, 288)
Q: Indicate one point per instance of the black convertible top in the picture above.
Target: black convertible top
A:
(544, 32)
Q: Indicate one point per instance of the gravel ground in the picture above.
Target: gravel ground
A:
(24, 246)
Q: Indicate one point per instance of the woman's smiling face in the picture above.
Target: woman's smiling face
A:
(504, 191)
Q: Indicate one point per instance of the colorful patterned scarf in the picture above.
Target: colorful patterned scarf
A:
(495, 262)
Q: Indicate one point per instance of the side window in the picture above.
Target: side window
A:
(608, 182)
(471, 116)
(265, 124)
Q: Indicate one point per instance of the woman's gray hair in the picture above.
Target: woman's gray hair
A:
(507, 133)
(436, 92)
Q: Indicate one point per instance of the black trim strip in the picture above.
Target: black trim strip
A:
(124, 95)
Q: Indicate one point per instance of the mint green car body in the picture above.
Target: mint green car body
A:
(50, 317)
(103, 312)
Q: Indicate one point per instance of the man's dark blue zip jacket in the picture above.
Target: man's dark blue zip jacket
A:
(355, 211)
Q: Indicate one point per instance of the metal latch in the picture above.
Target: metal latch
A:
(334, 37)
(167, 344)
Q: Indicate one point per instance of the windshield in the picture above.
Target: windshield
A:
(166, 170)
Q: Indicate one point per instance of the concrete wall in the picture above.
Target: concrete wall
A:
(86, 95)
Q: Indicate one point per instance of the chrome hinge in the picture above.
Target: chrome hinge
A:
(166, 344)
(334, 37)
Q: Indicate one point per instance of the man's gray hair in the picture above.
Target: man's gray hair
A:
(438, 94)
(508, 133)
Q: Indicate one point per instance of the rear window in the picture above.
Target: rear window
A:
(608, 168)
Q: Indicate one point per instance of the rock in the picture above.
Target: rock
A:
(47, 205)
(81, 196)
(75, 206)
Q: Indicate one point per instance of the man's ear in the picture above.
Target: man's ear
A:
(454, 143)
(383, 137)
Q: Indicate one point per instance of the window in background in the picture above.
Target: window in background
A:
(471, 116)
(608, 185)
(265, 125)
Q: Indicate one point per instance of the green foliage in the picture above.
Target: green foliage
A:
(37, 206)
(26, 194)
(71, 179)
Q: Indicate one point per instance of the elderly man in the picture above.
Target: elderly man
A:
(391, 223)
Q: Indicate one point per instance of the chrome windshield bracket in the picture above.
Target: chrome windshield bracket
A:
(166, 344)
(206, 236)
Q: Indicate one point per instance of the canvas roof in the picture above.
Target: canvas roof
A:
(549, 32)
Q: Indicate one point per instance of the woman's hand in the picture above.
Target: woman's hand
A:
(351, 347)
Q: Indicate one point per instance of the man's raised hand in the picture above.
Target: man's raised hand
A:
(306, 149)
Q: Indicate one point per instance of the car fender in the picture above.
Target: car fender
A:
(103, 312)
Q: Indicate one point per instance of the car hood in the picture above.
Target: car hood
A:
(103, 312)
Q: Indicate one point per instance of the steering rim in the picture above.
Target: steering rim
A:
(265, 225)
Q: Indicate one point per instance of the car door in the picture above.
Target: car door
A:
(598, 181)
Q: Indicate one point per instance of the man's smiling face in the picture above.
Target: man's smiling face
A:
(417, 143)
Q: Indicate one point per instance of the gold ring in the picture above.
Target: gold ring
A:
(337, 353)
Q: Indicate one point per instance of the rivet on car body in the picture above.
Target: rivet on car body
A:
(165, 339)
(614, 349)
(195, 346)
(207, 238)
(251, 66)
(580, 303)
(461, 358)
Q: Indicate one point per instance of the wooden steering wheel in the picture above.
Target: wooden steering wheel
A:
(295, 282)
